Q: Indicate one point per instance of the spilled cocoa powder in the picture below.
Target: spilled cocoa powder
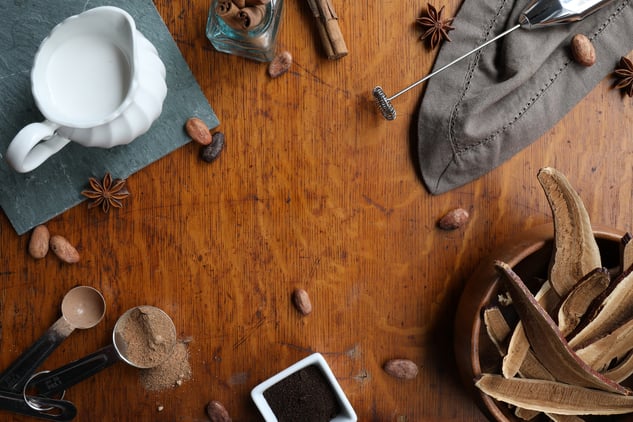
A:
(171, 373)
(149, 336)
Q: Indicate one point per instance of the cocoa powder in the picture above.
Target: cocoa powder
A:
(149, 336)
(305, 395)
(171, 373)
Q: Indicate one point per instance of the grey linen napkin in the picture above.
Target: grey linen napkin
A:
(486, 108)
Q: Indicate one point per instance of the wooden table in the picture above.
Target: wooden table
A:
(313, 190)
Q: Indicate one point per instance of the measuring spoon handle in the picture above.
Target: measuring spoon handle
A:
(62, 378)
(59, 410)
(16, 375)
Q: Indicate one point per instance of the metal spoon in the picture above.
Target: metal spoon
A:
(121, 349)
(538, 14)
(82, 307)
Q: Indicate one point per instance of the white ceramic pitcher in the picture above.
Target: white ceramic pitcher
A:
(98, 82)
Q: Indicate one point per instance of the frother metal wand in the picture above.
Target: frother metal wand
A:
(538, 13)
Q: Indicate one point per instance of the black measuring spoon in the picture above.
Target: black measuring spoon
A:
(82, 307)
(121, 349)
(51, 409)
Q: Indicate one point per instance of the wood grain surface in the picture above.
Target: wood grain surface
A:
(314, 190)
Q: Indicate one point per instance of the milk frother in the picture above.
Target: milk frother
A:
(538, 14)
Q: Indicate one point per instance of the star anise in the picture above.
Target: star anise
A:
(624, 73)
(107, 193)
(436, 28)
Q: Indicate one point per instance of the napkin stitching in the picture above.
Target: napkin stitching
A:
(469, 77)
(610, 19)
(529, 103)
(467, 81)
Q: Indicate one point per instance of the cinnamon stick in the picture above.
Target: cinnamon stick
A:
(329, 30)
(225, 8)
(228, 12)
(243, 3)
(240, 18)
(251, 16)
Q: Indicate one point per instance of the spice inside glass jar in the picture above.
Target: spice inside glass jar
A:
(245, 28)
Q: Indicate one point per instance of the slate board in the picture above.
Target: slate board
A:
(33, 198)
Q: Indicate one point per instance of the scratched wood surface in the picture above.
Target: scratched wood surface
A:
(314, 190)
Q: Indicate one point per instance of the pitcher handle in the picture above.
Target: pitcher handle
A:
(33, 145)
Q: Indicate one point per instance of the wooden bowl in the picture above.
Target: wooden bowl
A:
(529, 254)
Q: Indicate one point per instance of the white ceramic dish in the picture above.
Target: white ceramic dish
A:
(346, 414)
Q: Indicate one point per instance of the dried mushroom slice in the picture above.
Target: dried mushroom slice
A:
(497, 328)
(564, 418)
(609, 310)
(525, 414)
(627, 251)
(546, 340)
(498, 331)
(519, 345)
(622, 370)
(599, 353)
(553, 397)
(575, 248)
(517, 350)
(577, 302)
(533, 368)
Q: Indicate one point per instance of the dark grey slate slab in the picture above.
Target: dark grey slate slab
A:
(36, 197)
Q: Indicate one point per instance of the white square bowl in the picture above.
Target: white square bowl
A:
(346, 414)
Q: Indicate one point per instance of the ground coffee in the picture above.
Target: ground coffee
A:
(306, 396)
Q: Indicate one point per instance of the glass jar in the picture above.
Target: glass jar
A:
(256, 42)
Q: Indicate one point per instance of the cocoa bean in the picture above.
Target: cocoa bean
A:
(582, 50)
(198, 131)
(38, 245)
(280, 64)
(64, 249)
(301, 300)
(401, 368)
(454, 219)
(211, 152)
(217, 413)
